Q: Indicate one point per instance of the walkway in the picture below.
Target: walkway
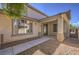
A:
(45, 46)
(23, 46)
(53, 47)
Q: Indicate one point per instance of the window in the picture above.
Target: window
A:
(0, 5)
(54, 27)
(22, 27)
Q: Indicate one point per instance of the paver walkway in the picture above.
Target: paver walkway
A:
(53, 47)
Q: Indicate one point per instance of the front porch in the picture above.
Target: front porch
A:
(57, 26)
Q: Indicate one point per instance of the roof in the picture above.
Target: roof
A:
(28, 5)
(66, 12)
(29, 18)
(37, 10)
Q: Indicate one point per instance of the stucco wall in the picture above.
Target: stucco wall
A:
(6, 30)
(34, 14)
(78, 33)
(66, 26)
(5, 27)
(66, 29)
(30, 35)
(50, 28)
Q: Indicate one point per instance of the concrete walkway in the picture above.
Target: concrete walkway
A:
(52, 47)
(22, 47)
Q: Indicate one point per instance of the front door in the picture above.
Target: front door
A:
(45, 29)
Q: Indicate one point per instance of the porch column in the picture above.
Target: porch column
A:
(41, 29)
(78, 33)
(60, 32)
(68, 29)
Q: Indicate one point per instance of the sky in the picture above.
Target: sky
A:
(54, 8)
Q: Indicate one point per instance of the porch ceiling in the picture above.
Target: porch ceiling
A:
(49, 19)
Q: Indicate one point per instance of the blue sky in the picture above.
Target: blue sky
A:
(54, 8)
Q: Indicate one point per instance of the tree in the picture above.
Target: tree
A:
(14, 10)
(72, 27)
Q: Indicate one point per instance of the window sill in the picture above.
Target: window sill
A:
(21, 34)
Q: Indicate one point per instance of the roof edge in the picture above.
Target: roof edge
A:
(67, 12)
(37, 10)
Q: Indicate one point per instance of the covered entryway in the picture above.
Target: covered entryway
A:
(57, 25)
(49, 28)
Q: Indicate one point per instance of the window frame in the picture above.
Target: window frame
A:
(31, 22)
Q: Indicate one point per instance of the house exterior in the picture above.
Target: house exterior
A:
(78, 33)
(34, 24)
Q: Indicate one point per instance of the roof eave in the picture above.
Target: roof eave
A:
(37, 10)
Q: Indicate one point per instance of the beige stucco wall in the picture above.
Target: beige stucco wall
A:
(5, 27)
(34, 14)
(49, 19)
(78, 33)
(66, 29)
(40, 29)
(6, 30)
(53, 20)
(34, 34)
(66, 25)
(50, 28)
